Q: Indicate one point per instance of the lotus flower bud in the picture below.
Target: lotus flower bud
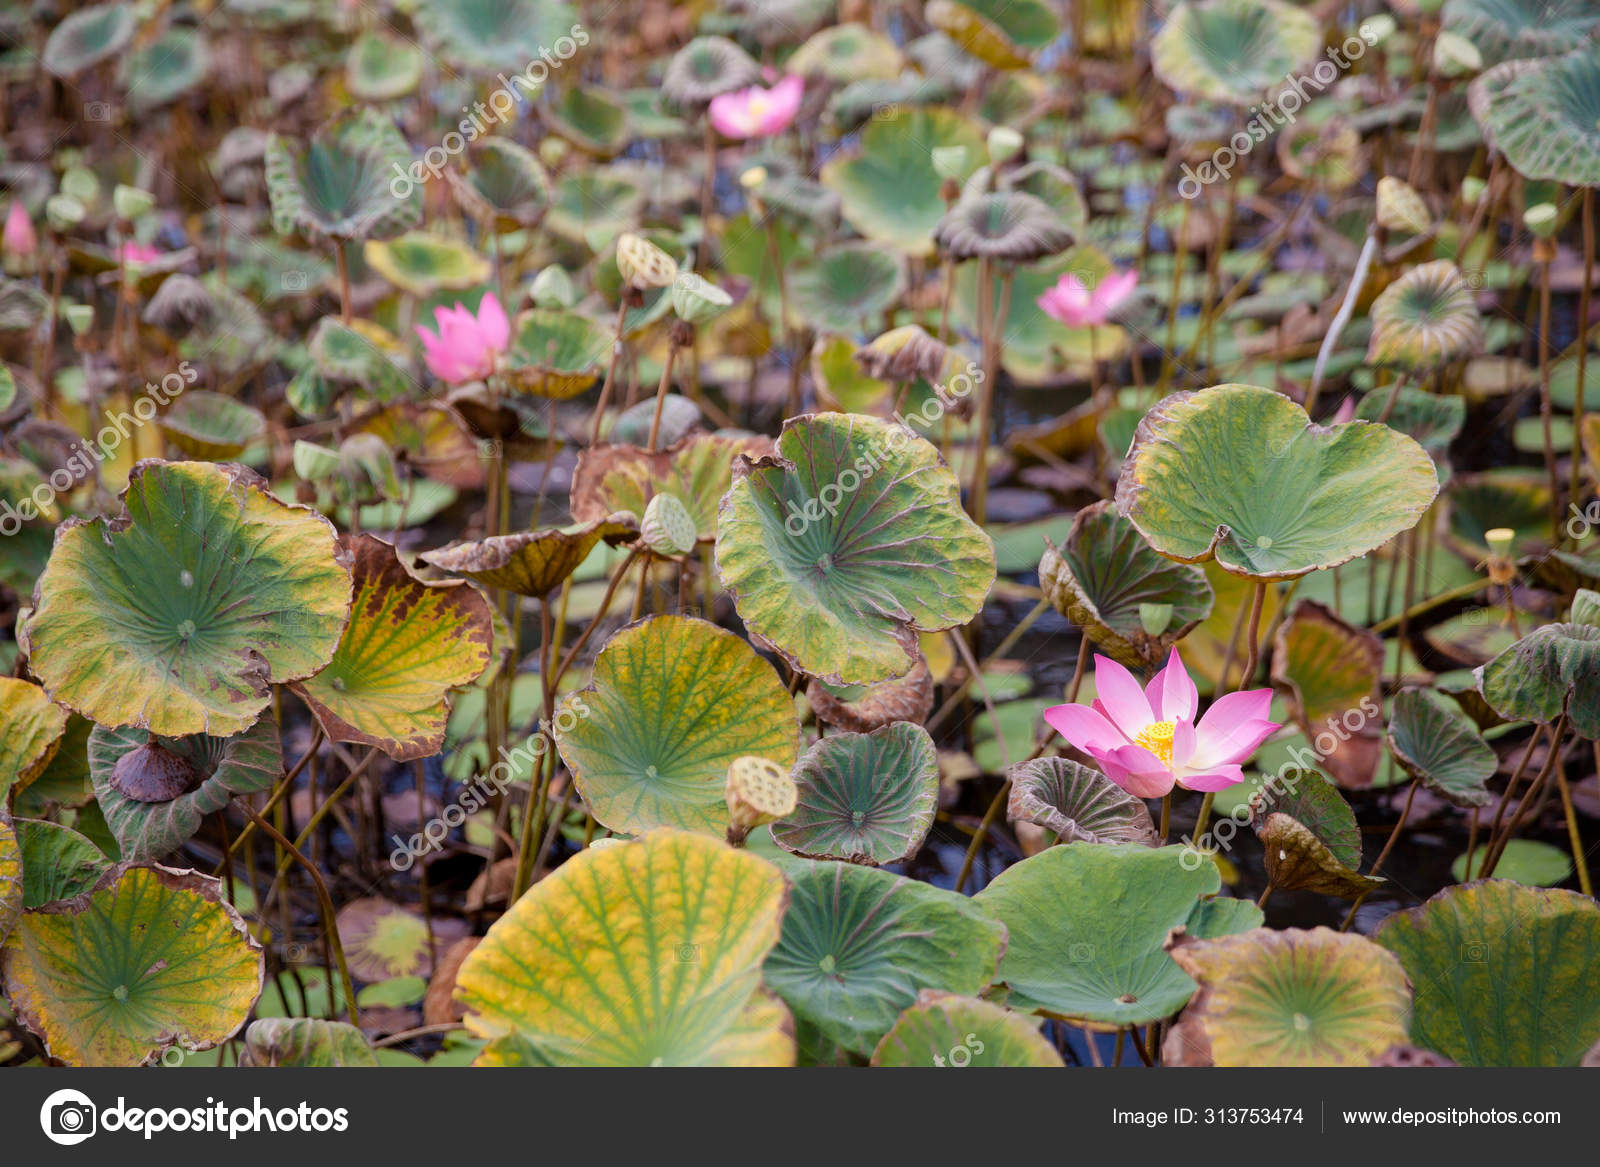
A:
(130, 203)
(1004, 144)
(19, 237)
(667, 527)
(643, 264)
(153, 773)
(697, 300)
(759, 791)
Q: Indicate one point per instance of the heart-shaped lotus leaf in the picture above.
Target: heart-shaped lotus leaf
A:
(1553, 670)
(1544, 115)
(1426, 317)
(1505, 30)
(423, 264)
(859, 944)
(1104, 575)
(340, 187)
(1006, 34)
(179, 614)
(673, 702)
(888, 188)
(846, 543)
(531, 563)
(383, 940)
(556, 353)
(848, 288)
(1432, 421)
(408, 643)
(31, 726)
(1240, 473)
(638, 954)
(1077, 804)
(846, 53)
(147, 959)
(88, 36)
(1087, 923)
(864, 797)
(1437, 743)
(864, 708)
(482, 36)
(508, 182)
(381, 66)
(1522, 861)
(164, 70)
(11, 884)
(1331, 671)
(593, 201)
(943, 1029)
(591, 119)
(57, 862)
(306, 1041)
(212, 427)
(1475, 947)
(1233, 50)
(697, 470)
(1292, 998)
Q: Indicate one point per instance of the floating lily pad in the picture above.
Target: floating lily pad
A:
(673, 702)
(1007, 34)
(531, 563)
(590, 119)
(88, 36)
(1437, 743)
(638, 954)
(846, 543)
(697, 470)
(164, 70)
(508, 182)
(180, 613)
(845, 53)
(1544, 115)
(864, 708)
(1241, 474)
(1553, 670)
(58, 863)
(942, 1029)
(864, 797)
(340, 187)
(1077, 804)
(383, 940)
(848, 288)
(423, 264)
(1523, 861)
(31, 726)
(1332, 670)
(1506, 30)
(481, 36)
(1233, 50)
(381, 66)
(306, 1041)
(556, 354)
(212, 427)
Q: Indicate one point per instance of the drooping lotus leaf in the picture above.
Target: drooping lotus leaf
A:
(848, 288)
(859, 944)
(1505, 30)
(1008, 226)
(864, 797)
(590, 119)
(1555, 669)
(64, 782)
(423, 264)
(845, 53)
(888, 188)
(381, 66)
(147, 959)
(1332, 671)
(177, 615)
(306, 1041)
(58, 863)
(1437, 743)
(10, 879)
(1472, 948)
(1104, 573)
(697, 470)
(1427, 316)
(556, 353)
(846, 543)
(707, 67)
(88, 36)
(1316, 804)
(1240, 473)
(408, 643)
(1076, 803)
(673, 702)
(1544, 115)
(942, 1029)
(508, 181)
(246, 763)
(864, 708)
(638, 954)
(1296, 859)
(1056, 188)
(1233, 50)
(1522, 861)
(359, 355)
(31, 726)
(210, 426)
(173, 64)
(1006, 34)
(482, 36)
(340, 188)
(531, 563)
(1087, 923)
(1288, 998)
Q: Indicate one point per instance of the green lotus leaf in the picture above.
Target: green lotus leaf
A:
(1007, 226)
(841, 382)
(1006, 34)
(531, 563)
(1315, 804)
(381, 66)
(846, 543)
(482, 36)
(147, 959)
(848, 288)
(11, 885)
(593, 201)
(864, 797)
(888, 188)
(1505, 30)
(942, 1029)
(508, 182)
(1426, 317)
(429, 439)
(1291, 998)
(88, 36)
(707, 67)
(1522, 861)
(591, 119)
(178, 615)
(1332, 672)
(673, 702)
(1087, 923)
(58, 863)
(340, 187)
(1438, 744)
(646, 953)
(679, 416)
(1474, 947)
(1553, 670)
(423, 264)
(31, 726)
(1430, 420)
(1241, 474)
(1104, 573)
(361, 355)
(8, 389)
(845, 53)
(1233, 50)
(1297, 859)
(1513, 497)
(165, 69)
(864, 708)
(408, 643)
(859, 944)
(1077, 804)
(306, 1041)
(555, 353)
(64, 782)
(211, 427)
(1544, 115)
(697, 470)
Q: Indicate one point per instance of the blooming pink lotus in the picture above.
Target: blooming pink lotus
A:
(1147, 740)
(465, 347)
(134, 254)
(756, 112)
(1072, 303)
(19, 237)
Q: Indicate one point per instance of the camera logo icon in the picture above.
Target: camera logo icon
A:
(68, 1117)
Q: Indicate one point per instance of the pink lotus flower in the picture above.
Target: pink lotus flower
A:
(1147, 740)
(19, 237)
(135, 254)
(756, 112)
(1072, 303)
(466, 346)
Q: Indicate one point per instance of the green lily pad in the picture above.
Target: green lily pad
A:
(1523, 861)
(1475, 947)
(508, 182)
(698, 471)
(1437, 743)
(423, 264)
(383, 940)
(556, 354)
(942, 1029)
(1332, 672)
(638, 954)
(306, 1041)
(1426, 317)
(1241, 474)
(532, 563)
(31, 726)
(1233, 50)
(88, 36)
(1505, 30)
(1544, 114)
(845, 53)
(212, 427)
(1432, 421)
(58, 863)
(173, 64)
(1006, 34)
(340, 188)
(590, 119)
(1077, 804)
(381, 66)
(673, 702)
(848, 288)
(864, 797)
(482, 36)
(1553, 670)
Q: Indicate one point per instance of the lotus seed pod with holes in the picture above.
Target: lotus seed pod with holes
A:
(697, 300)
(667, 527)
(130, 202)
(643, 264)
(949, 161)
(1004, 144)
(1400, 208)
(759, 791)
(1454, 55)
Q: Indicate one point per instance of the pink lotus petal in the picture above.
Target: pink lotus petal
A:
(1120, 696)
(756, 112)
(493, 326)
(1234, 726)
(19, 237)
(1218, 778)
(1112, 291)
(1084, 727)
(1137, 771)
(1171, 693)
(1183, 745)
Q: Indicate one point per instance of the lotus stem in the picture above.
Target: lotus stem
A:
(1494, 846)
(1584, 296)
(1257, 602)
(1078, 669)
(1545, 408)
(344, 281)
(611, 372)
(661, 395)
(991, 327)
(1394, 835)
(1574, 836)
(1266, 894)
(1341, 318)
(981, 834)
(594, 622)
(1492, 858)
(1180, 253)
(791, 340)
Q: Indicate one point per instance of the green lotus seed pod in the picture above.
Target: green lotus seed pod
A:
(553, 288)
(130, 202)
(759, 791)
(1500, 541)
(667, 527)
(1541, 219)
(80, 317)
(697, 300)
(949, 161)
(643, 264)
(64, 212)
(1454, 55)
(1004, 144)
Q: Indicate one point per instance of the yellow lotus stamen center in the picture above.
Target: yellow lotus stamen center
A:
(1157, 738)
